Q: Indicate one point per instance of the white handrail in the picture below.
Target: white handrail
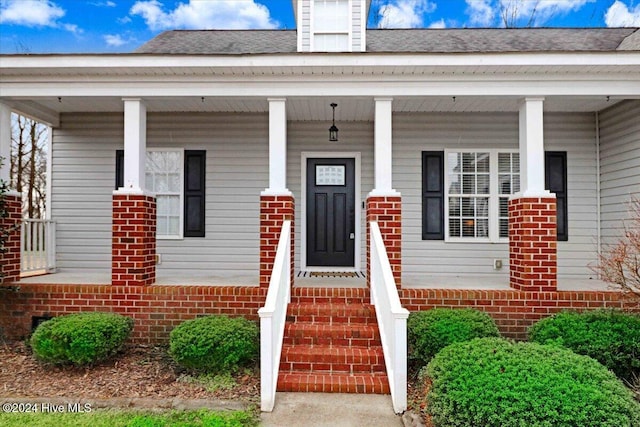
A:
(272, 319)
(37, 245)
(392, 319)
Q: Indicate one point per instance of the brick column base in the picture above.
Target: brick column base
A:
(10, 264)
(133, 247)
(274, 210)
(387, 212)
(532, 244)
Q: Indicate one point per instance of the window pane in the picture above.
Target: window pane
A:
(454, 227)
(163, 176)
(482, 229)
(331, 42)
(504, 227)
(483, 184)
(331, 16)
(454, 206)
(483, 162)
(173, 182)
(161, 184)
(161, 228)
(468, 206)
(468, 162)
(174, 205)
(174, 226)
(504, 206)
(468, 184)
(163, 205)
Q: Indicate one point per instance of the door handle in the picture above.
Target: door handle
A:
(352, 236)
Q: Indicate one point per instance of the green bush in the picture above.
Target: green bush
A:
(611, 337)
(494, 382)
(82, 338)
(214, 344)
(430, 331)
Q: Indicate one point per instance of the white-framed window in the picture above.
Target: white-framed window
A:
(331, 25)
(164, 176)
(478, 184)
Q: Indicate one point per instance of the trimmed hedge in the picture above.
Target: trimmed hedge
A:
(495, 382)
(611, 337)
(214, 344)
(430, 331)
(82, 338)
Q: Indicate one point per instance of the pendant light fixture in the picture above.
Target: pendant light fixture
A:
(333, 130)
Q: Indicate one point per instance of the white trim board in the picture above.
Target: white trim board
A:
(357, 258)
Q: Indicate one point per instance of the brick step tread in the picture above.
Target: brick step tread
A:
(319, 358)
(337, 334)
(333, 383)
(328, 292)
(345, 313)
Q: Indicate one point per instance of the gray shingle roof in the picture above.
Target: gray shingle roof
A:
(239, 42)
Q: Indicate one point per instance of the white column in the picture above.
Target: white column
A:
(383, 148)
(5, 142)
(135, 145)
(277, 148)
(532, 148)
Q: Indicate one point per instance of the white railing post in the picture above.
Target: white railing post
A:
(272, 319)
(392, 319)
(37, 245)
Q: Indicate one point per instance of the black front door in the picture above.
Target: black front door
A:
(330, 212)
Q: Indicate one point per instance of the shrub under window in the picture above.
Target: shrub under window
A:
(214, 343)
(430, 331)
(611, 337)
(494, 382)
(82, 338)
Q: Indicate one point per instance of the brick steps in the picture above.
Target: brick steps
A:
(320, 358)
(333, 383)
(355, 334)
(332, 343)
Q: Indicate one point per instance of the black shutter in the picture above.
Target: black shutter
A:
(119, 169)
(433, 195)
(556, 182)
(194, 193)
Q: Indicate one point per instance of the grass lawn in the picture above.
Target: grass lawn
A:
(127, 418)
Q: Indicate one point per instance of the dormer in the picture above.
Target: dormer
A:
(331, 25)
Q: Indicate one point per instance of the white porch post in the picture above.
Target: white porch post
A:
(383, 148)
(277, 147)
(5, 142)
(532, 148)
(135, 145)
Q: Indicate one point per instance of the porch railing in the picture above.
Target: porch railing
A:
(392, 319)
(38, 245)
(272, 319)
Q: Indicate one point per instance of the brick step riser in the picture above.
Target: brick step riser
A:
(334, 320)
(335, 330)
(327, 368)
(330, 300)
(330, 341)
(324, 383)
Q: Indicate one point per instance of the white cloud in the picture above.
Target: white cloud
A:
(107, 3)
(540, 11)
(218, 14)
(73, 28)
(438, 24)
(619, 15)
(114, 40)
(30, 13)
(480, 12)
(404, 13)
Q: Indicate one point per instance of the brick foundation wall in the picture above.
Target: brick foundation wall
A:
(514, 311)
(10, 260)
(387, 212)
(155, 309)
(133, 247)
(532, 244)
(274, 210)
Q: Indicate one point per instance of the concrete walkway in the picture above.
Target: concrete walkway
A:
(331, 410)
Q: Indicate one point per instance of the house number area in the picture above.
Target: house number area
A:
(44, 407)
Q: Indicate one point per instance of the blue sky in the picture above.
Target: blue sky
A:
(76, 26)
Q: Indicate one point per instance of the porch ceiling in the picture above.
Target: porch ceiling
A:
(312, 109)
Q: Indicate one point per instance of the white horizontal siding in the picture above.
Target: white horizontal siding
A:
(619, 165)
(356, 25)
(414, 133)
(237, 171)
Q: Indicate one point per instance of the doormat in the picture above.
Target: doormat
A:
(347, 274)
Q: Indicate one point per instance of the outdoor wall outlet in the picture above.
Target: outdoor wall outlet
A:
(158, 259)
(497, 264)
